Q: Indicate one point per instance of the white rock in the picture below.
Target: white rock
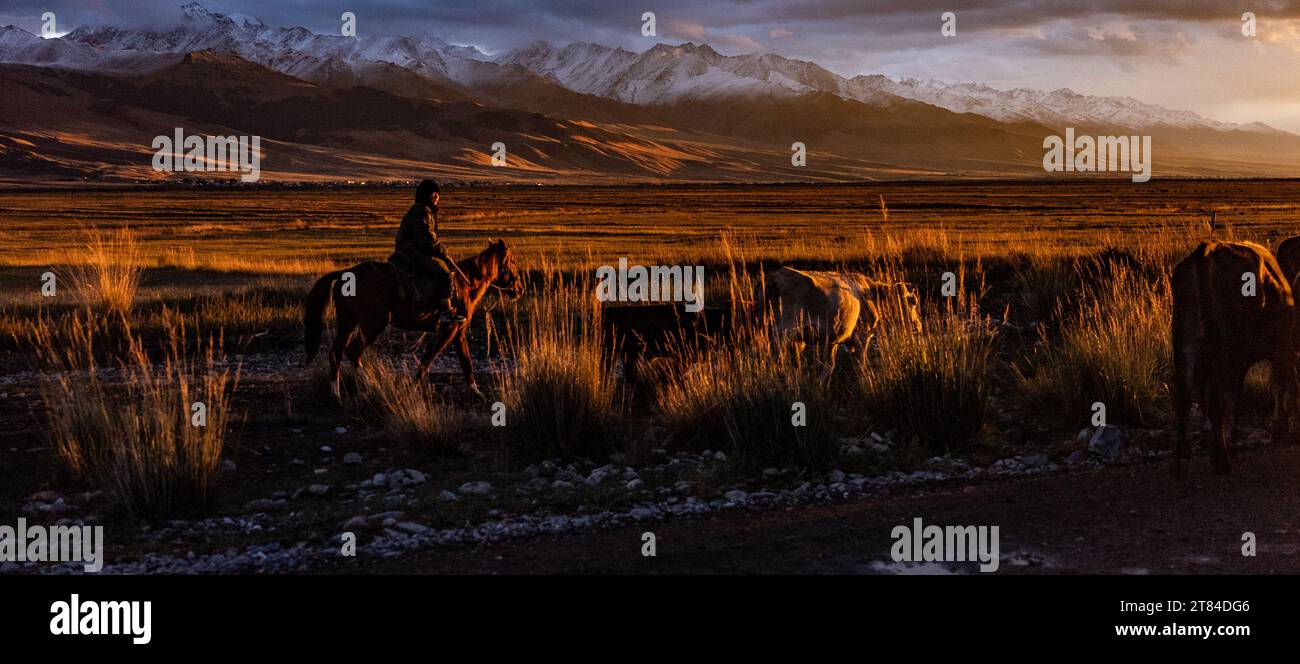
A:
(479, 488)
(736, 496)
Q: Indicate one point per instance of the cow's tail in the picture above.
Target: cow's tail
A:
(315, 311)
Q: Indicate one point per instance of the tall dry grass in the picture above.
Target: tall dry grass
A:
(1114, 349)
(105, 269)
(127, 423)
(561, 400)
(753, 398)
(934, 386)
(409, 410)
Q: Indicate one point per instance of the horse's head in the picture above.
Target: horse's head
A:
(508, 279)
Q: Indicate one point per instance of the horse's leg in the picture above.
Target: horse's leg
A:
(364, 337)
(435, 348)
(342, 339)
(467, 363)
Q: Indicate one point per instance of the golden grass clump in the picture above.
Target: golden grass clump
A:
(934, 386)
(560, 398)
(409, 410)
(1114, 349)
(150, 433)
(752, 398)
(105, 270)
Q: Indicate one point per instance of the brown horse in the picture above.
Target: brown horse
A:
(378, 302)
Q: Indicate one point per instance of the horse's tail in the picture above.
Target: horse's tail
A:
(315, 311)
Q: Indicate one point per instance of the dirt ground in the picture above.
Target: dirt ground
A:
(1114, 520)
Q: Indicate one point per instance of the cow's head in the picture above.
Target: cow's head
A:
(909, 305)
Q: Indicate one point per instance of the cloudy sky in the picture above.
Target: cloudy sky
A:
(1186, 54)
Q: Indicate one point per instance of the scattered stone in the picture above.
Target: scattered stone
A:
(599, 475)
(266, 505)
(837, 476)
(1106, 442)
(1035, 460)
(635, 484)
(327, 449)
(351, 459)
(736, 496)
(412, 527)
(354, 524)
(561, 485)
(340, 430)
(318, 489)
(479, 488)
(719, 457)
(228, 466)
(447, 496)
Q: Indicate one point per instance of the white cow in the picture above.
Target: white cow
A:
(831, 308)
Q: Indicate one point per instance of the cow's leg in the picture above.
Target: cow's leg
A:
(631, 360)
(1186, 365)
(829, 372)
(1225, 389)
(1283, 382)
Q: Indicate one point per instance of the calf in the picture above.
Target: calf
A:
(1220, 330)
(634, 332)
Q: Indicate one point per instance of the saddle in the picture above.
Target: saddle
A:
(417, 287)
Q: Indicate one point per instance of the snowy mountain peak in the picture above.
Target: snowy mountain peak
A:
(662, 74)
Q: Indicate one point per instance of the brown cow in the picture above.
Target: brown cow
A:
(1220, 331)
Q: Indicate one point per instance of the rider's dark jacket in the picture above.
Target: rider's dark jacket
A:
(417, 238)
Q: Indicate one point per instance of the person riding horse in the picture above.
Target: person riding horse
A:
(418, 250)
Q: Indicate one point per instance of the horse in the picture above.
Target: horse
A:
(378, 301)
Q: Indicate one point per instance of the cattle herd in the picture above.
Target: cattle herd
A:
(1233, 307)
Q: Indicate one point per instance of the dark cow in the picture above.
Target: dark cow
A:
(1220, 331)
(1288, 258)
(634, 332)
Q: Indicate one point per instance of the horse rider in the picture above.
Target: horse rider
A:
(417, 247)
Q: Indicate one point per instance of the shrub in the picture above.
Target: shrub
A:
(128, 427)
(933, 386)
(1114, 349)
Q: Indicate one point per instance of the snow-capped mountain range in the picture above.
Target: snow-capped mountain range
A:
(663, 74)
